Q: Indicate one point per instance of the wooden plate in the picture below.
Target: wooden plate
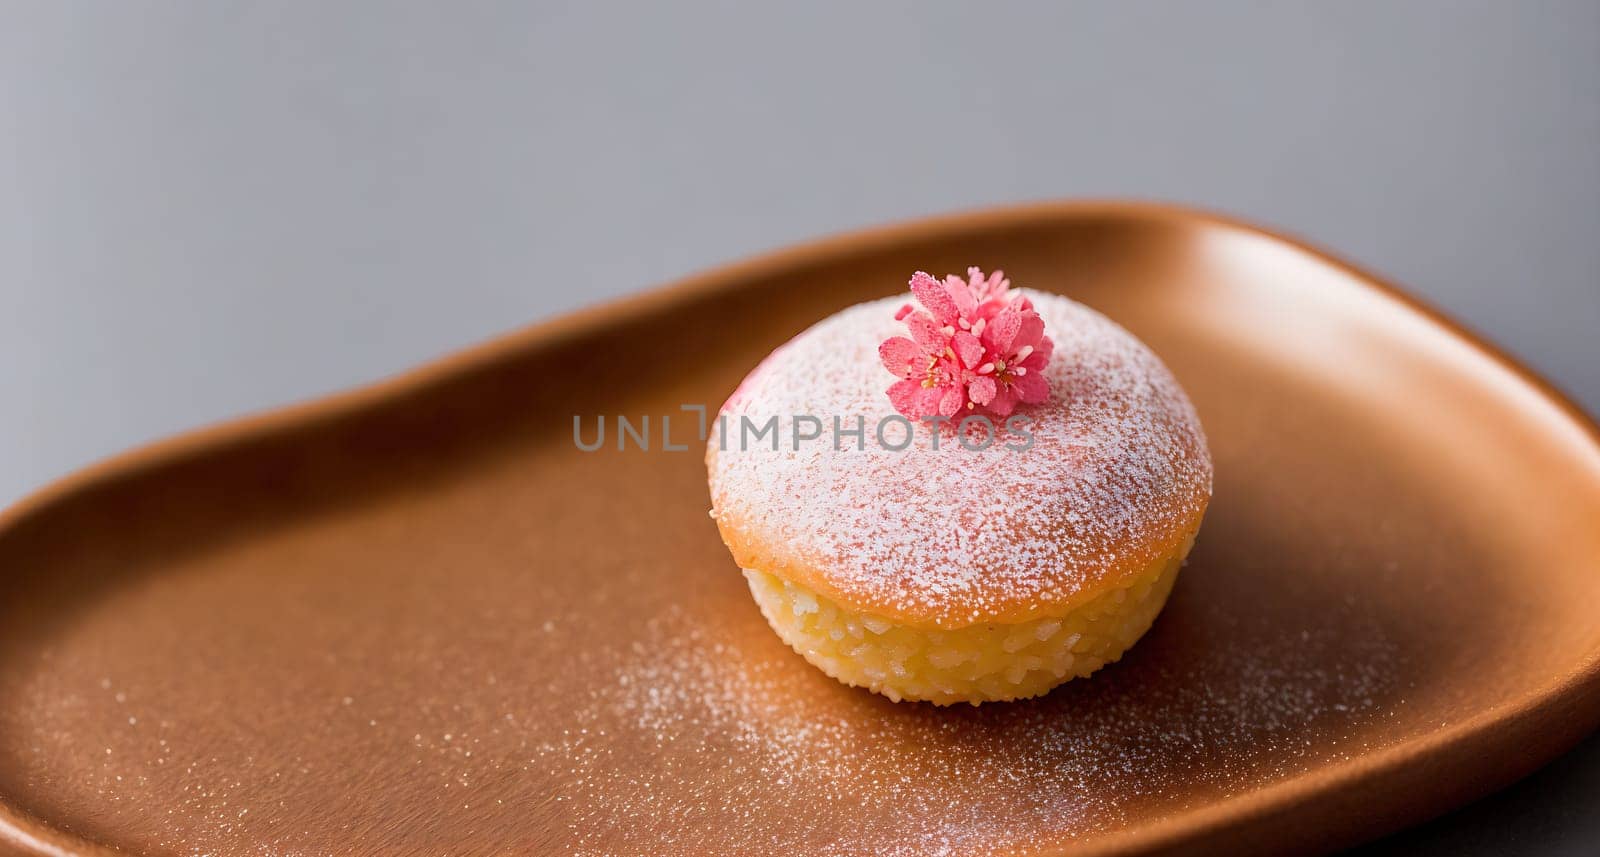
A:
(417, 619)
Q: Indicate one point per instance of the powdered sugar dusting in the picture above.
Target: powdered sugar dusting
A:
(706, 742)
(948, 535)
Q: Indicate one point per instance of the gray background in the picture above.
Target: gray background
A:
(212, 208)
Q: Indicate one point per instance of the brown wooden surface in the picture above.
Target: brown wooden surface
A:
(405, 619)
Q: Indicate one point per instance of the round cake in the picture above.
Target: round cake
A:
(974, 497)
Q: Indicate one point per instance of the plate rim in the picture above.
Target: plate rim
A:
(1568, 708)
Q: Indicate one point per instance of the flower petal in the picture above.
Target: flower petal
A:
(1032, 388)
(1003, 331)
(952, 400)
(1041, 354)
(1004, 401)
(968, 348)
(934, 297)
(903, 396)
(982, 389)
(928, 334)
(1030, 331)
(901, 356)
(965, 302)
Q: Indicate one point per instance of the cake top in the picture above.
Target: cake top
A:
(816, 477)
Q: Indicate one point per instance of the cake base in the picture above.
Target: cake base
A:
(976, 664)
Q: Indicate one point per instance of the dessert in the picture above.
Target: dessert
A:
(974, 497)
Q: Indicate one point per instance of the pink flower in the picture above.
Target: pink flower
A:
(1015, 354)
(989, 294)
(960, 305)
(935, 364)
(972, 346)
